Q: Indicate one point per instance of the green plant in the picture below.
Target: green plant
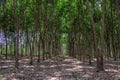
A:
(1, 75)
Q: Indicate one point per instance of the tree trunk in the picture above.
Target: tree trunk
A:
(118, 16)
(16, 34)
(39, 50)
(102, 51)
(37, 18)
(97, 54)
(6, 55)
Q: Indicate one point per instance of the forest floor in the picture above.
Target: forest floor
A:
(58, 69)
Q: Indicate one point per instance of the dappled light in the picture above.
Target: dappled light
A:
(68, 69)
(59, 39)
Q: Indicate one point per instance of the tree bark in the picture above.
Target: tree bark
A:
(16, 34)
(102, 51)
(96, 51)
(118, 16)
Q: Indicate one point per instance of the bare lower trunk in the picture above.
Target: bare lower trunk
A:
(102, 51)
(16, 35)
(6, 48)
(98, 55)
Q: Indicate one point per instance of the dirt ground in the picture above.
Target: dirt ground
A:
(58, 69)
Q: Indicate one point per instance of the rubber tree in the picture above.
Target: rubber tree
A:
(16, 35)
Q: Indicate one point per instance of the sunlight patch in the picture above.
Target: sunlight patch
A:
(87, 75)
(112, 70)
(57, 73)
(52, 78)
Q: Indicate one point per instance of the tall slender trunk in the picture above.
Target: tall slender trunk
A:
(6, 56)
(31, 54)
(39, 50)
(97, 54)
(102, 51)
(43, 46)
(112, 32)
(30, 48)
(1, 49)
(16, 34)
(118, 16)
(6, 49)
(38, 26)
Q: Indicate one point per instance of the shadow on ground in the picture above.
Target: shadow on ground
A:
(57, 69)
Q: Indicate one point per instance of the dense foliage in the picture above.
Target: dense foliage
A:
(58, 27)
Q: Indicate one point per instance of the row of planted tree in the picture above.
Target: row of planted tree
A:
(47, 28)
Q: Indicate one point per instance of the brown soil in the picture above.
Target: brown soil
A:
(58, 69)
